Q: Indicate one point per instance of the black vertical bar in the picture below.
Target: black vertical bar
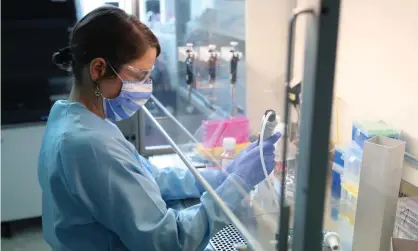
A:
(318, 81)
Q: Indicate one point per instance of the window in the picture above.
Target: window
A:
(209, 95)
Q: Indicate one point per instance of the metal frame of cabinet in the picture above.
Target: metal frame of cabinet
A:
(318, 87)
(321, 42)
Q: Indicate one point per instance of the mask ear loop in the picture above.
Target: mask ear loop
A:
(97, 92)
(113, 69)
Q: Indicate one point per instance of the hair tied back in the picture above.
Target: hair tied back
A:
(63, 58)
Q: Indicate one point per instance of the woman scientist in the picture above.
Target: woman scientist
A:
(98, 193)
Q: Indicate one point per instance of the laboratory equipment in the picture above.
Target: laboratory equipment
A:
(229, 146)
(352, 168)
(295, 98)
(212, 63)
(228, 239)
(295, 94)
(318, 77)
(250, 240)
(268, 126)
(406, 222)
(330, 240)
(207, 86)
(235, 57)
(350, 179)
(190, 75)
(214, 131)
(291, 164)
(283, 231)
(337, 171)
(349, 193)
(381, 174)
(364, 130)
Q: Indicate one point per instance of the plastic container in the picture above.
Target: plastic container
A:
(352, 168)
(337, 171)
(291, 164)
(364, 130)
(214, 131)
(228, 155)
(350, 179)
(347, 214)
(290, 179)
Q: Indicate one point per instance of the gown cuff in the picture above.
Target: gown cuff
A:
(232, 191)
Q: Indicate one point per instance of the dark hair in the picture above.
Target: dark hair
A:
(107, 32)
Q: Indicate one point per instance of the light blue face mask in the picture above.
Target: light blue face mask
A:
(133, 95)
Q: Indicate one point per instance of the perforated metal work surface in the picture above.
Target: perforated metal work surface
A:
(226, 239)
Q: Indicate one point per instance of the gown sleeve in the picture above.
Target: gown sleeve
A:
(103, 174)
(180, 183)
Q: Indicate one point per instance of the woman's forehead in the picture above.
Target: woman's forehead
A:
(146, 61)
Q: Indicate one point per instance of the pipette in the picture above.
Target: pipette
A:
(268, 126)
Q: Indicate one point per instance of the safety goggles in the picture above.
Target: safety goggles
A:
(139, 74)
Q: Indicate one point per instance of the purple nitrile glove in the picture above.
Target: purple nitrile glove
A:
(254, 145)
(250, 157)
(248, 166)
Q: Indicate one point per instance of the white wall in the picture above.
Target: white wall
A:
(377, 65)
(377, 62)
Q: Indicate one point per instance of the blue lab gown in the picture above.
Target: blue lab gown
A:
(98, 193)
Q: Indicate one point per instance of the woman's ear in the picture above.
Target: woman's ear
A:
(97, 68)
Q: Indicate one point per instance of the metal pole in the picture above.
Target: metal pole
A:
(161, 106)
(318, 80)
(284, 207)
(184, 129)
(229, 214)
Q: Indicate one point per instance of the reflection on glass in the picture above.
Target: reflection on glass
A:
(200, 89)
(32, 86)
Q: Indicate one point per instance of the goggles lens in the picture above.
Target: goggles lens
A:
(140, 75)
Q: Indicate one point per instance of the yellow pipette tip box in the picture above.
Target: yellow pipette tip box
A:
(217, 151)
